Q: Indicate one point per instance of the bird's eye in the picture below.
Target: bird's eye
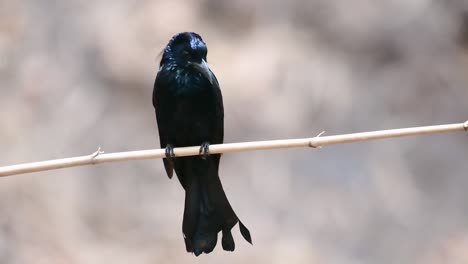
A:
(186, 55)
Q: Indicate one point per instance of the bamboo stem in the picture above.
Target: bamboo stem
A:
(315, 142)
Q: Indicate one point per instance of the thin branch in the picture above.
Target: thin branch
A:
(315, 142)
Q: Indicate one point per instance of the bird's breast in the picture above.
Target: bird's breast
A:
(183, 80)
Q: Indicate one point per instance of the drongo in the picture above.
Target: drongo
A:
(189, 112)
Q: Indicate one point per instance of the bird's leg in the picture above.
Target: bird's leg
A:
(169, 152)
(205, 149)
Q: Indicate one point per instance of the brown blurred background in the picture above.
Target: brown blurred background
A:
(75, 75)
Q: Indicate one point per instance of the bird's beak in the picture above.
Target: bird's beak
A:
(203, 68)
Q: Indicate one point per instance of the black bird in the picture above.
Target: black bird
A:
(189, 112)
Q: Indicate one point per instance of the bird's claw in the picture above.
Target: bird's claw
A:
(204, 150)
(169, 152)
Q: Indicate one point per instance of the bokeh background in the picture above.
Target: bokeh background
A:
(75, 75)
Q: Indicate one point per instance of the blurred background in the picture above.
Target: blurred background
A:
(75, 75)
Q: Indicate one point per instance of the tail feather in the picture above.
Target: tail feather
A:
(191, 214)
(204, 243)
(228, 241)
(245, 232)
(207, 210)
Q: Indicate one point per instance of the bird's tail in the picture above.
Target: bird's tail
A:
(208, 211)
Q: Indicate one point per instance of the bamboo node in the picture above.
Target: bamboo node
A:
(311, 143)
(96, 153)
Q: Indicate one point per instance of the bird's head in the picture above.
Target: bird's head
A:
(187, 50)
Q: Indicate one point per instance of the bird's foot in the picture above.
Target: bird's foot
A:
(204, 149)
(169, 152)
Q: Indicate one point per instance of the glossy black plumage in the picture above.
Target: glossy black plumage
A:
(189, 112)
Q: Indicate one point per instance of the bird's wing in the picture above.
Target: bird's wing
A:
(161, 109)
(219, 127)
